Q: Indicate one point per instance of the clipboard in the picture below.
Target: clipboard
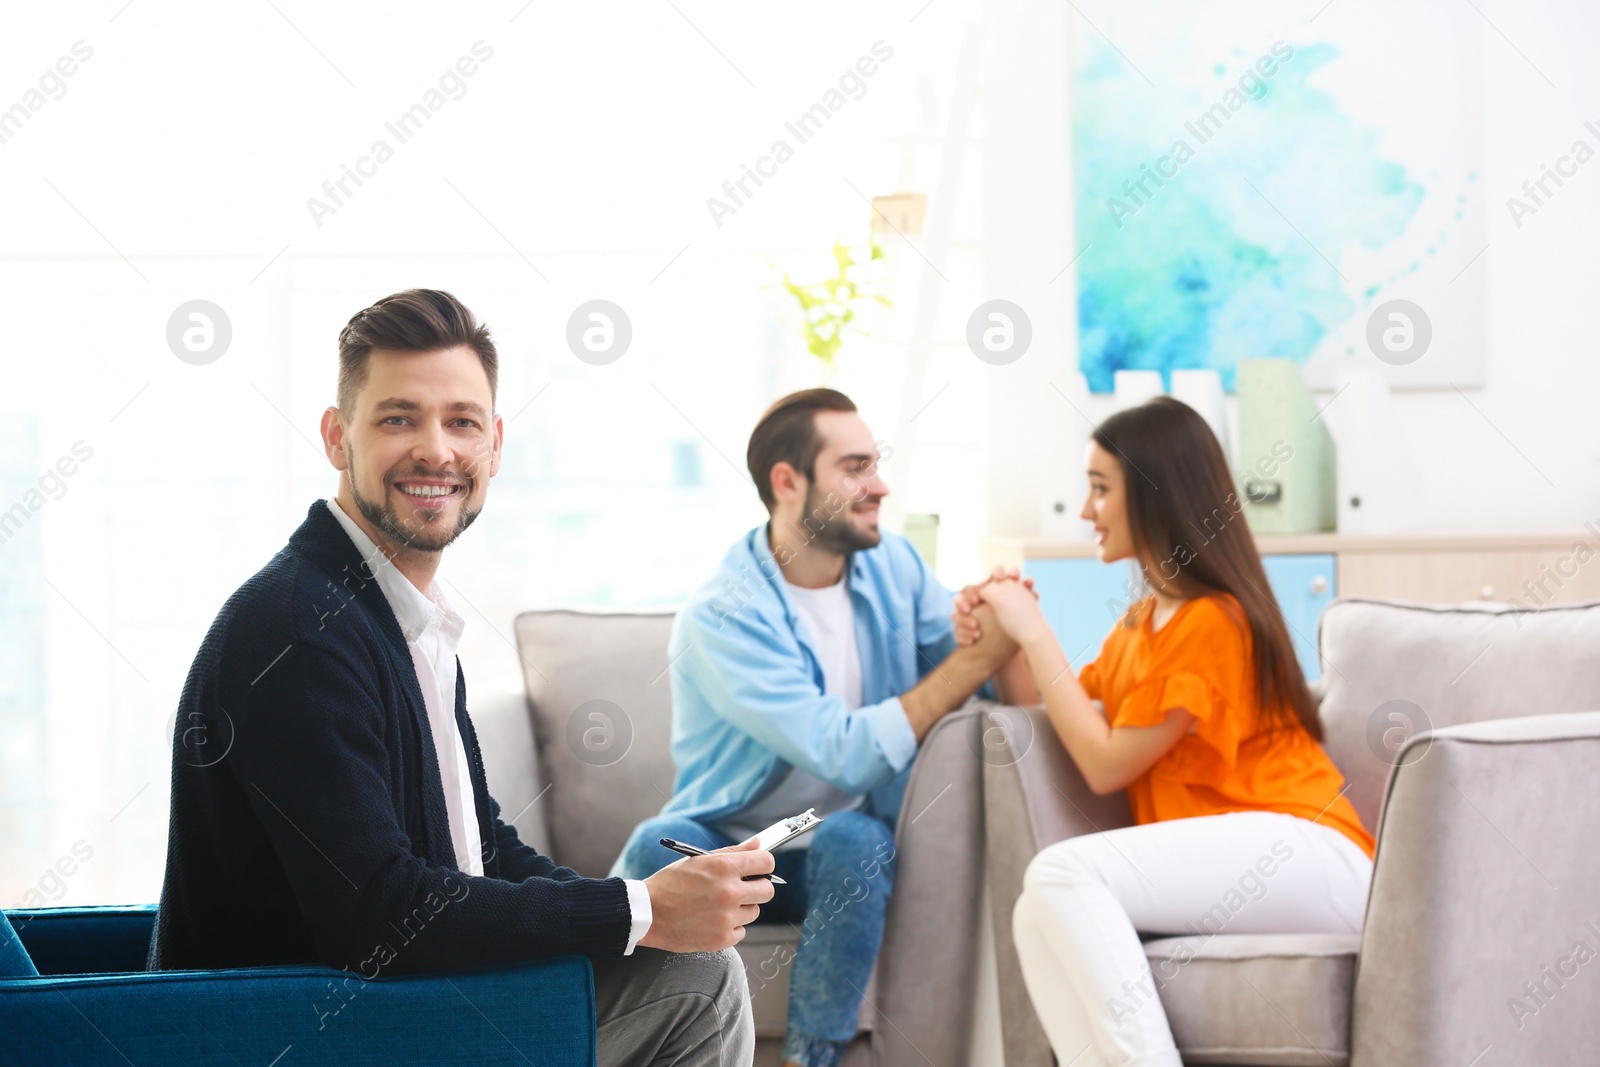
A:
(786, 830)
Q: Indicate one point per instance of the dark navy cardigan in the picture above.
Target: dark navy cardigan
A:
(308, 818)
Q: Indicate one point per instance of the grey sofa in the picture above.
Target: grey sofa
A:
(580, 758)
(1486, 876)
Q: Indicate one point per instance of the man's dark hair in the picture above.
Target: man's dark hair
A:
(787, 433)
(417, 320)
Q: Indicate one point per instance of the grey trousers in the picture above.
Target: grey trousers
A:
(657, 1007)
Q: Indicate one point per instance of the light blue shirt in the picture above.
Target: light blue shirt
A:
(748, 700)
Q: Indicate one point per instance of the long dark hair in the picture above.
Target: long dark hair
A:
(1188, 526)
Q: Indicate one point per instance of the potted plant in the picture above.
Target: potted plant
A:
(829, 307)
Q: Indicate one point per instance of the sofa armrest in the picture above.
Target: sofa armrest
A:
(511, 763)
(1482, 907)
(539, 1012)
(1033, 796)
(926, 983)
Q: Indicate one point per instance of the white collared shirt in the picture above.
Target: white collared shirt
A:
(433, 633)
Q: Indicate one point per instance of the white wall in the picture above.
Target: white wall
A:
(1543, 377)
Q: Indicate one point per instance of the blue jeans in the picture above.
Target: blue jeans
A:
(838, 893)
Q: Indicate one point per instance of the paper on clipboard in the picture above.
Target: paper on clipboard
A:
(786, 830)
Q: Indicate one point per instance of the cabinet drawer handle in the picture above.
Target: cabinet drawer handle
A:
(1319, 585)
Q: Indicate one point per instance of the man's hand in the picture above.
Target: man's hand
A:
(948, 685)
(994, 643)
(703, 903)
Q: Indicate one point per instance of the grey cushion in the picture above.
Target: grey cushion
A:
(1281, 999)
(602, 715)
(1389, 669)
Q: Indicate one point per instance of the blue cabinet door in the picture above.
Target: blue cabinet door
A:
(1303, 585)
(1083, 598)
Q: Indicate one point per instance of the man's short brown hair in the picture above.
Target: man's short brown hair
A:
(787, 433)
(416, 320)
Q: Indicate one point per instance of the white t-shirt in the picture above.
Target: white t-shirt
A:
(829, 616)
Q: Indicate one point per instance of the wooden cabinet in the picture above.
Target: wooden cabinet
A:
(1532, 572)
(1083, 597)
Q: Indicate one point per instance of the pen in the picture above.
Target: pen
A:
(689, 850)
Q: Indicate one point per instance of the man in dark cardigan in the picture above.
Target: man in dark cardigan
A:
(328, 794)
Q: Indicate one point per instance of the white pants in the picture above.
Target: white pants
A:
(1085, 900)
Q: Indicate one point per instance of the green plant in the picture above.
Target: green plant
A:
(828, 307)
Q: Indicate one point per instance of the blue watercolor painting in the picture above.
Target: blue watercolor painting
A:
(1216, 220)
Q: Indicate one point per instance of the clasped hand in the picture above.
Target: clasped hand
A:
(1013, 606)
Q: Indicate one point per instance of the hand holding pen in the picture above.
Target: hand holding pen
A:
(703, 904)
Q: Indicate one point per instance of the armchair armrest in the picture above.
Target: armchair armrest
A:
(1033, 796)
(539, 1012)
(926, 984)
(90, 940)
(1483, 902)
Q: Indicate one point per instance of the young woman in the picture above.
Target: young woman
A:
(1242, 823)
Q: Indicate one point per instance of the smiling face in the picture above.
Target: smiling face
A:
(417, 447)
(847, 469)
(1107, 505)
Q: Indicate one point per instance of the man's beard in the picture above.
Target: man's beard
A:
(433, 537)
(837, 534)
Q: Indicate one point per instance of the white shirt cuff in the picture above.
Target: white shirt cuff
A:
(639, 908)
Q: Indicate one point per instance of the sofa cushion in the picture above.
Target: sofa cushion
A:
(601, 701)
(1280, 999)
(1391, 670)
(14, 959)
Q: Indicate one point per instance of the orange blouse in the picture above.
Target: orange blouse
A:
(1200, 661)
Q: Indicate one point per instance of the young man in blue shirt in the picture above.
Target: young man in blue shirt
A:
(805, 675)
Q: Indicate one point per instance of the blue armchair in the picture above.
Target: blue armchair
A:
(94, 1003)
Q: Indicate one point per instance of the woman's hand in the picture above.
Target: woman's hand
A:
(1016, 608)
(967, 629)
